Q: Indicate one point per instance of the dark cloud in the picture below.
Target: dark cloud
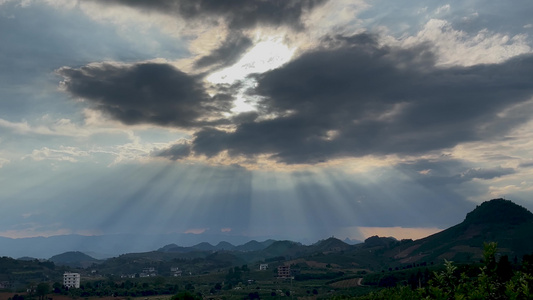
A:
(526, 164)
(490, 173)
(354, 98)
(446, 173)
(228, 53)
(175, 152)
(145, 93)
(238, 14)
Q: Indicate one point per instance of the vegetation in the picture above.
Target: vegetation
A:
(495, 280)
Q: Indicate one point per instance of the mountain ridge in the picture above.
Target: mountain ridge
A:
(498, 220)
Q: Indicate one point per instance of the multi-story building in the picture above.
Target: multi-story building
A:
(284, 271)
(71, 280)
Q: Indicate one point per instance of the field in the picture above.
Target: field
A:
(348, 283)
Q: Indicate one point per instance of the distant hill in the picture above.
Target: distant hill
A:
(175, 248)
(284, 248)
(225, 246)
(74, 259)
(376, 241)
(352, 241)
(254, 245)
(497, 220)
(27, 258)
(108, 245)
(27, 270)
(499, 211)
(204, 247)
(329, 245)
(221, 246)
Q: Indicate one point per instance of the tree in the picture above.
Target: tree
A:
(57, 287)
(42, 290)
(185, 295)
(504, 270)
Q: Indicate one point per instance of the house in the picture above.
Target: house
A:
(263, 267)
(175, 271)
(284, 272)
(71, 280)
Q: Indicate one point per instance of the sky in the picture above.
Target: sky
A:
(261, 119)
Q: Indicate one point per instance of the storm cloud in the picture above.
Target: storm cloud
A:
(145, 93)
(352, 98)
(228, 53)
(175, 152)
(238, 14)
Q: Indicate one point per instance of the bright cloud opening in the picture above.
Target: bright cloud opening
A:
(264, 56)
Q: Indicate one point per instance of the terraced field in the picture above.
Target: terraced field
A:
(348, 283)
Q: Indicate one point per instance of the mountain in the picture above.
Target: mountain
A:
(74, 259)
(225, 246)
(175, 248)
(106, 246)
(288, 249)
(221, 246)
(499, 211)
(352, 241)
(329, 245)
(204, 246)
(376, 241)
(497, 220)
(27, 258)
(254, 245)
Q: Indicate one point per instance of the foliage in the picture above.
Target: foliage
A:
(495, 280)
(42, 290)
(310, 276)
(185, 295)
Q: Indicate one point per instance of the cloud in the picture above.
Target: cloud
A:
(70, 154)
(4, 161)
(479, 173)
(233, 21)
(196, 230)
(144, 93)
(353, 97)
(448, 172)
(177, 151)
(528, 164)
(227, 53)
(398, 232)
(457, 47)
(238, 15)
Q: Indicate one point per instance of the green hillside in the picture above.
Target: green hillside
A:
(498, 220)
(74, 259)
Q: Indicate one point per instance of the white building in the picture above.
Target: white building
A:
(71, 280)
(175, 271)
(263, 267)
